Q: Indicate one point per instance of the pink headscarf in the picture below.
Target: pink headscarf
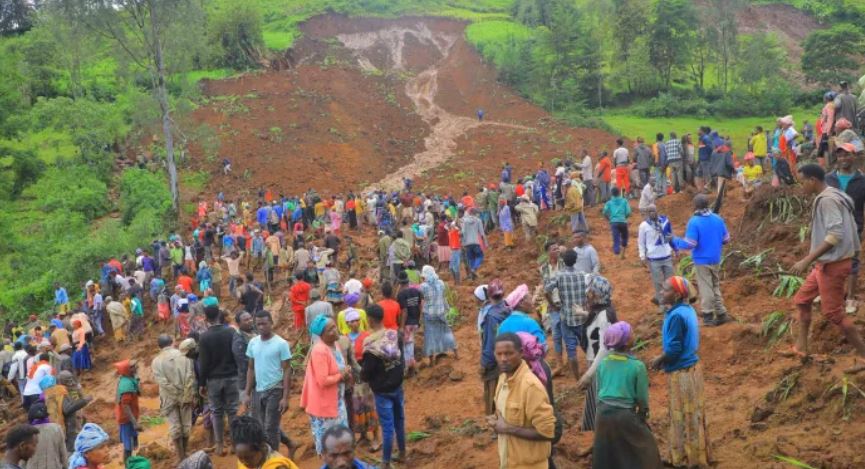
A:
(533, 353)
(514, 297)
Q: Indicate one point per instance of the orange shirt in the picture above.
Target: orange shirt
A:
(604, 168)
(520, 190)
(299, 296)
(454, 238)
(185, 281)
(391, 313)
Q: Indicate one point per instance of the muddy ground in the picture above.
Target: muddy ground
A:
(373, 101)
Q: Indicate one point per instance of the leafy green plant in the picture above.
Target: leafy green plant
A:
(786, 209)
(788, 286)
(685, 267)
(756, 261)
(794, 462)
(417, 436)
(844, 387)
(775, 325)
(785, 387)
(639, 345)
(151, 420)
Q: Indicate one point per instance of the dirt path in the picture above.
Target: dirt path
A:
(422, 89)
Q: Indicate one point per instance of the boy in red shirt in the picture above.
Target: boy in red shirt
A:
(456, 249)
(392, 318)
(299, 296)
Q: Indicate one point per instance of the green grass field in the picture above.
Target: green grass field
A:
(739, 129)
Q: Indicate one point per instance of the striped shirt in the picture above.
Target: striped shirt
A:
(674, 150)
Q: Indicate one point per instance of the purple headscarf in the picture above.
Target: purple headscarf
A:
(617, 335)
(533, 353)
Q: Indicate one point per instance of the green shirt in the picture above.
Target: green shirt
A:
(617, 210)
(623, 381)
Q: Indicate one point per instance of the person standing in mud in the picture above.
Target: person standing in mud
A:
(851, 181)
(218, 373)
(656, 251)
(834, 244)
(705, 236)
(175, 376)
(472, 237)
(571, 302)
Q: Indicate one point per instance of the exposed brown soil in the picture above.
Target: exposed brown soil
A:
(377, 139)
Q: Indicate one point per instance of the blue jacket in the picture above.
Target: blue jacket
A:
(617, 210)
(706, 235)
(520, 322)
(681, 337)
(496, 314)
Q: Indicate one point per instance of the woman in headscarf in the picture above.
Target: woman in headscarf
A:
(91, 448)
(126, 409)
(331, 280)
(81, 356)
(199, 460)
(601, 316)
(351, 300)
(51, 448)
(362, 411)
(689, 439)
(438, 338)
(520, 319)
(623, 439)
(204, 276)
(327, 374)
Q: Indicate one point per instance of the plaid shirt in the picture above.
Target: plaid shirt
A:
(674, 150)
(572, 286)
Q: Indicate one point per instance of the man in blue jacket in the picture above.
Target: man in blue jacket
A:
(706, 236)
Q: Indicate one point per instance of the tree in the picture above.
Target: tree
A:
(16, 16)
(671, 32)
(830, 55)
(142, 28)
(237, 31)
(25, 168)
(630, 23)
(761, 58)
(532, 12)
(722, 33)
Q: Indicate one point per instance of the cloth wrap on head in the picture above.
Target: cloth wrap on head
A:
(137, 462)
(533, 353)
(199, 460)
(681, 286)
(90, 437)
(617, 335)
(601, 289)
(317, 325)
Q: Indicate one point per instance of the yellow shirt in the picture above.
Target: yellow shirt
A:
(526, 405)
(752, 173)
(274, 461)
(342, 325)
(758, 145)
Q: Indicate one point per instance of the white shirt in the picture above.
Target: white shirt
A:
(621, 156)
(353, 286)
(19, 365)
(651, 242)
(588, 169)
(32, 387)
(647, 196)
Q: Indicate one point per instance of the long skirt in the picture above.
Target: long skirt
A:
(443, 253)
(437, 336)
(689, 437)
(319, 425)
(136, 325)
(623, 440)
(589, 411)
(81, 359)
(364, 418)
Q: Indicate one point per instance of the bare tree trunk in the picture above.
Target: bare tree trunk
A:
(162, 97)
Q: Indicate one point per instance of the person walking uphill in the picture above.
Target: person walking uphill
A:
(175, 375)
(689, 437)
(382, 367)
(622, 160)
(623, 439)
(268, 377)
(574, 207)
(472, 237)
(218, 373)
(617, 210)
(834, 243)
(706, 235)
(571, 286)
(490, 319)
(851, 181)
(524, 421)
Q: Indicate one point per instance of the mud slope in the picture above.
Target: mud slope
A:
(375, 100)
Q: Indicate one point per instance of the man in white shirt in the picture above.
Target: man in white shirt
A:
(588, 170)
(587, 256)
(656, 250)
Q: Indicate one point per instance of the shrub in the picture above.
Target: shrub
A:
(669, 105)
(236, 31)
(139, 190)
(73, 189)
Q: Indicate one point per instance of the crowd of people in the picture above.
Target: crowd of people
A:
(352, 324)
